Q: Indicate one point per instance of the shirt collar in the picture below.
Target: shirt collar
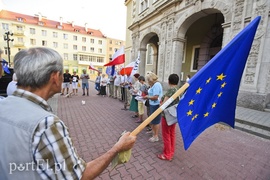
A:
(34, 98)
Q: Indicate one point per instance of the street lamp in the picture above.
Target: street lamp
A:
(8, 48)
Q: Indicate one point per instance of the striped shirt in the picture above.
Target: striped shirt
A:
(53, 152)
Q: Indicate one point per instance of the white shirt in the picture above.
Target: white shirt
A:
(117, 80)
(12, 86)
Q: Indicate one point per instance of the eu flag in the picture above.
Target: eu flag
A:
(212, 93)
(5, 66)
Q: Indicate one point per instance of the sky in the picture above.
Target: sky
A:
(109, 16)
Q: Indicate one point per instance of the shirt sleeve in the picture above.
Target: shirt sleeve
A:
(53, 152)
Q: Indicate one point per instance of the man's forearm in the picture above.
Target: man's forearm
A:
(95, 167)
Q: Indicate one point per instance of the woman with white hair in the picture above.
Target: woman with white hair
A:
(154, 95)
(12, 86)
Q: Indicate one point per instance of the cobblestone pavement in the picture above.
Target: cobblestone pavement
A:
(219, 152)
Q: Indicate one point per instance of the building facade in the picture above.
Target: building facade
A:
(181, 36)
(79, 46)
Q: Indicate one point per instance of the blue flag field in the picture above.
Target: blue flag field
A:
(212, 93)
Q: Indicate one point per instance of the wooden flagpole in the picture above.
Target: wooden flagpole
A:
(159, 110)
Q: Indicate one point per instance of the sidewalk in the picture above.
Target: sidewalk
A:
(219, 152)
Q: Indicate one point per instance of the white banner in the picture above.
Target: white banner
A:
(136, 66)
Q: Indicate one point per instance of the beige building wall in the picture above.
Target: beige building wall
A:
(175, 28)
(112, 46)
(77, 49)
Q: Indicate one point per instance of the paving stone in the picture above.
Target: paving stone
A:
(218, 153)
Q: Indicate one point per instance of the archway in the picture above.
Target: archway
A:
(203, 36)
(149, 53)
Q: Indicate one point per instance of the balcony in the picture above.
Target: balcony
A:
(19, 33)
(18, 44)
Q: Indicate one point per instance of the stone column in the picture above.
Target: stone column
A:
(178, 55)
(143, 61)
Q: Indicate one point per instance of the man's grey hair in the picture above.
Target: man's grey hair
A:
(34, 66)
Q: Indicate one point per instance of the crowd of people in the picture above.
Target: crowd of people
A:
(32, 87)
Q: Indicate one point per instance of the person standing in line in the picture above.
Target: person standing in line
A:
(43, 148)
(111, 85)
(134, 89)
(168, 132)
(123, 83)
(75, 79)
(66, 82)
(143, 90)
(103, 84)
(154, 95)
(117, 81)
(85, 84)
(97, 83)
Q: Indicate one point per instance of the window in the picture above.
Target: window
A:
(144, 4)
(75, 38)
(83, 48)
(110, 41)
(32, 41)
(44, 32)
(65, 45)
(99, 50)
(92, 49)
(75, 57)
(55, 44)
(110, 48)
(83, 39)
(41, 23)
(32, 31)
(92, 41)
(65, 56)
(65, 36)
(20, 19)
(44, 43)
(100, 59)
(55, 34)
(19, 28)
(75, 47)
(92, 58)
(20, 39)
(195, 58)
(99, 41)
(5, 26)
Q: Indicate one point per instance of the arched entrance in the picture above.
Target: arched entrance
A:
(203, 40)
(149, 54)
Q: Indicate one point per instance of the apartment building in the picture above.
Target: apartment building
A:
(79, 46)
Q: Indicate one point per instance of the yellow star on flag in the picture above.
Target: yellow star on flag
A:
(191, 102)
(189, 113)
(221, 77)
(199, 91)
(208, 80)
(214, 105)
(223, 85)
(206, 114)
(219, 95)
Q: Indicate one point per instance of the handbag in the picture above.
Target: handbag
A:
(146, 103)
(79, 85)
(171, 115)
